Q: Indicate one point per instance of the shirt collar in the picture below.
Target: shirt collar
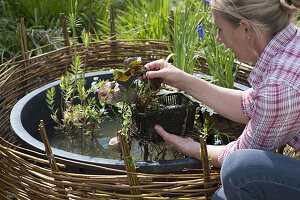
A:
(274, 46)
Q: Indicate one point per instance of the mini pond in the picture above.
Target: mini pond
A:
(25, 118)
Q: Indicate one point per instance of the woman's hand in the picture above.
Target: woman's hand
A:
(189, 147)
(186, 146)
(166, 72)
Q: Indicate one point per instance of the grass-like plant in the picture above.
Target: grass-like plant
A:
(188, 14)
(42, 26)
(298, 19)
(219, 59)
(143, 19)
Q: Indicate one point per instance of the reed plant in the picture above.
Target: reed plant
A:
(220, 60)
(188, 14)
(143, 20)
(39, 12)
(100, 19)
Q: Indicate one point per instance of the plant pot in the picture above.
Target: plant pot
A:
(176, 114)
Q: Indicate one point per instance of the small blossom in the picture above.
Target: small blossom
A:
(96, 78)
(200, 32)
(207, 2)
(217, 140)
(103, 110)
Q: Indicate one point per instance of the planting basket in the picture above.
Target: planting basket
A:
(29, 174)
(176, 114)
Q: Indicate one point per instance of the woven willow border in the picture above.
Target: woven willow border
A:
(26, 174)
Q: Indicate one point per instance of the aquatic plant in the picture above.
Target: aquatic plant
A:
(81, 113)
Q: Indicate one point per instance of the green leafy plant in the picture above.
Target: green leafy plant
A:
(80, 111)
(127, 88)
(298, 19)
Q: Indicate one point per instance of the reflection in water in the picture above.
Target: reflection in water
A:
(98, 147)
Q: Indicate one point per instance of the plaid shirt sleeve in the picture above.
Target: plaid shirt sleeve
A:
(274, 114)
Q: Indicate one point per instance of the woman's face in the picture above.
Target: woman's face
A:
(233, 37)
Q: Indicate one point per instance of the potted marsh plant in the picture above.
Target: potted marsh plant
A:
(144, 103)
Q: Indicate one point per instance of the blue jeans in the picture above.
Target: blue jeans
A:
(255, 174)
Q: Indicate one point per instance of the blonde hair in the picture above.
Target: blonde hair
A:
(274, 15)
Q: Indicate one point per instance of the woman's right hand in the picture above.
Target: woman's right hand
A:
(163, 70)
(186, 146)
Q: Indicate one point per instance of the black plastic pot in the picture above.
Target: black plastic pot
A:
(176, 114)
(25, 118)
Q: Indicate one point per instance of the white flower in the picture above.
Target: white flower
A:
(217, 140)
(205, 108)
(102, 110)
(96, 78)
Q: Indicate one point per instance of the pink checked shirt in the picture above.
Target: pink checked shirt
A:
(273, 103)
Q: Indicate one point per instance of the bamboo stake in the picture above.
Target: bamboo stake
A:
(22, 30)
(129, 164)
(49, 153)
(205, 163)
(112, 31)
(63, 22)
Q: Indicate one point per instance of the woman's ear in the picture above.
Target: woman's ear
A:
(245, 25)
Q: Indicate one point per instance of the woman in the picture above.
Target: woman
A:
(259, 32)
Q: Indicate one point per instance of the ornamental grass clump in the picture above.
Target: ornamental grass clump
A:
(143, 19)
